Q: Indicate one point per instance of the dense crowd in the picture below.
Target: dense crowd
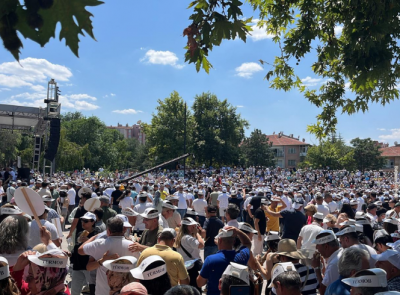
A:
(214, 231)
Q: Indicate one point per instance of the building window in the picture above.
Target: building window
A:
(292, 150)
(292, 162)
(303, 149)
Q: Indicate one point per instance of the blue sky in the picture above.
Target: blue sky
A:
(138, 58)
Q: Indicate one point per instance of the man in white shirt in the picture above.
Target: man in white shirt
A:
(328, 247)
(320, 207)
(189, 195)
(140, 208)
(10, 191)
(284, 197)
(34, 231)
(332, 206)
(115, 243)
(183, 203)
(360, 201)
(223, 201)
(71, 194)
(309, 232)
(372, 208)
(199, 205)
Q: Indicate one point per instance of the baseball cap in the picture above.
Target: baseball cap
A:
(224, 234)
(189, 221)
(52, 258)
(395, 235)
(124, 219)
(348, 222)
(239, 271)
(129, 212)
(395, 245)
(150, 213)
(246, 227)
(168, 204)
(89, 215)
(4, 270)
(272, 235)
(319, 215)
(374, 277)
(47, 198)
(141, 273)
(326, 238)
(10, 210)
(391, 220)
(135, 287)
(362, 221)
(280, 268)
(392, 256)
(327, 219)
(121, 264)
(359, 215)
(346, 230)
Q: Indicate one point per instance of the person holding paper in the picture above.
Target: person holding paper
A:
(34, 232)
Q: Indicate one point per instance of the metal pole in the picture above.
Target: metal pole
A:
(44, 145)
(184, 145)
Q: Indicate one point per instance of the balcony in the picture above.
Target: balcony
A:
(303, 154)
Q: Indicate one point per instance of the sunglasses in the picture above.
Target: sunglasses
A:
(86, 220)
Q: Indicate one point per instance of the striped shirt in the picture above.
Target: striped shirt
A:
(311, 286)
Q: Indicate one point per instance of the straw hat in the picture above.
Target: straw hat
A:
(287, 247)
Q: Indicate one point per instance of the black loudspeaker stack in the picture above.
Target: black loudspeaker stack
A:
(54, 139)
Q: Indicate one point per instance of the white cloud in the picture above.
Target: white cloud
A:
(85, 106)
(395, 135)
(259, 33)
(33, 70)
(239, 106)
(30, 96)
(308, 81)
(247, 69)
(80, 97)
(38, 88)
(127, 111)
(162, 58)
(381, 129)
(12, 81)
(36, 103)
(112, 94)
(338, 30)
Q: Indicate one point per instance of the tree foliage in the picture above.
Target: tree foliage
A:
(257, 150)
(165, 134)
(367, 154)
(38, 19)
(218, 130)
(364, 56)
(332, 154)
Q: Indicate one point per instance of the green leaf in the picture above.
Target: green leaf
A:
(62, 11)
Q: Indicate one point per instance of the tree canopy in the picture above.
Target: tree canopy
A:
(257, 149)
(364, 154)
(362, 58)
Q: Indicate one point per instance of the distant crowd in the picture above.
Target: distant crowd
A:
(222, 231)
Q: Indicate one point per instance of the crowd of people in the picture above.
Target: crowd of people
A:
(218, 231)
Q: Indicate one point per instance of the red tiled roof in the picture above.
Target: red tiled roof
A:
(285, 140)
(393, 151)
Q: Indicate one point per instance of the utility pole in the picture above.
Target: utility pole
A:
(184, 144)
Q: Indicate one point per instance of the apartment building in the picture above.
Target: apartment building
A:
(134, 131)
(289, 150)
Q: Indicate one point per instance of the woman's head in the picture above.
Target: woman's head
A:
(13, 234)
(42, 278)
(189, 227)
(88, 221)
(310, 210)
(7, 283)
